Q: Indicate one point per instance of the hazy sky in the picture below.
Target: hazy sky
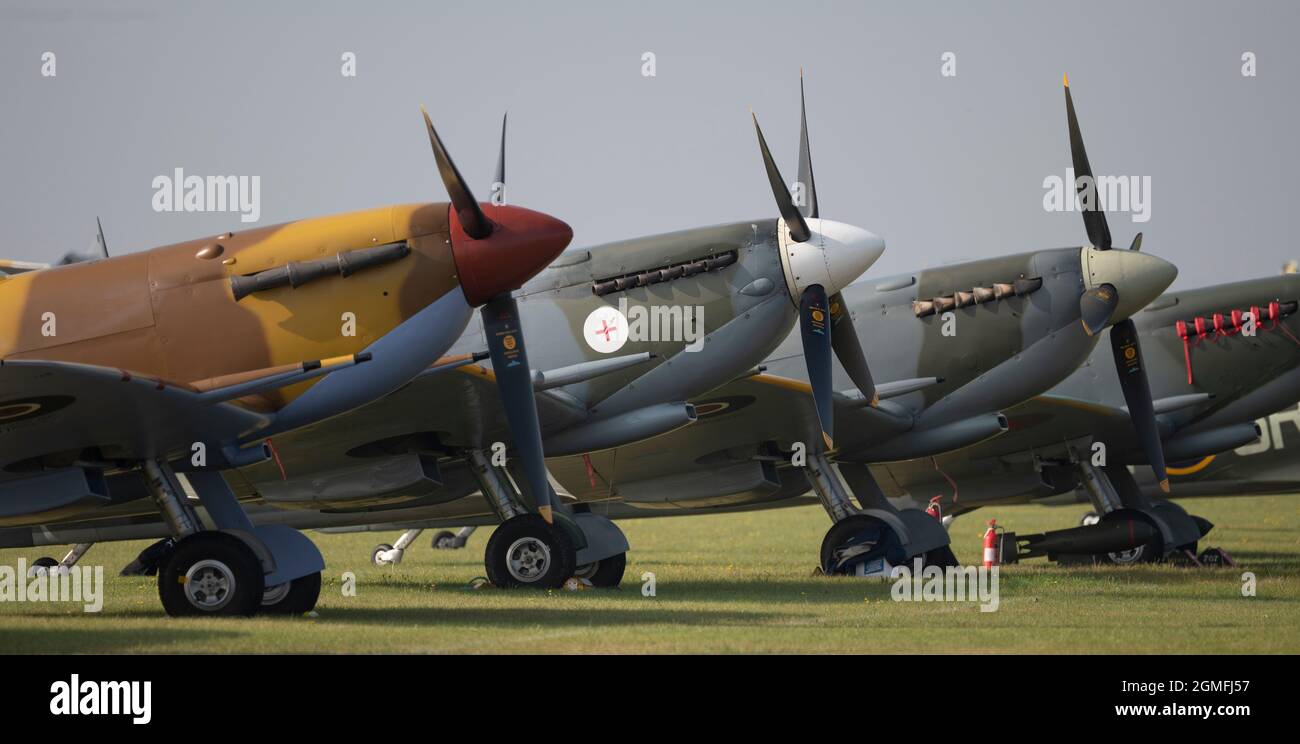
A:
(944, 168)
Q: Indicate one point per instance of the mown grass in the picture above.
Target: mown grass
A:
(734, 583)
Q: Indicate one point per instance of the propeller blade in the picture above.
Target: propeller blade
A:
(1137, 394)
(794, 220)
(100, 250)
(814, 329)
(99, 238)
(848, 349)
(1096, 306)
(515, 383)
(809, 208)
(1137, 243)
(462, 199)
(499, 183)
(1093, 219)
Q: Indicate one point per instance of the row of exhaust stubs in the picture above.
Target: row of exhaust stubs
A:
(1226, 326)
(976, 296)
(298, 273)
(655, 276)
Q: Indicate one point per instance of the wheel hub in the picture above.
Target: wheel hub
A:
(528, 559)
(275, 594)
(1125, 557)
(209, 585)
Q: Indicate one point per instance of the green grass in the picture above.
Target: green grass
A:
(737, 583)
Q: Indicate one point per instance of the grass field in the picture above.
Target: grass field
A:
(735, 583)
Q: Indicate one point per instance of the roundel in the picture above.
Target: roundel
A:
(509, 342)
(723, 405)
(1130, 352)
(605, 330)
(26, 408)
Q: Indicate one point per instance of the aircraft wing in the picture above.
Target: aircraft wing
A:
(442, 412)
(1041, 425)
(58, 410)
(718, 459)
(9, 267)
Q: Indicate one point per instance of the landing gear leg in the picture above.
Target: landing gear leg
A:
(227, 571)
(41, 565)
(75, 554)
(447, 540)
(209, 573)
(391, 555)
(870, 539)
(524, 550)
(1106, 500)
(1117, 500)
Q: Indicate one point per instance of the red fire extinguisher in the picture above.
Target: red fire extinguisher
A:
(935, 509)
(991, 544)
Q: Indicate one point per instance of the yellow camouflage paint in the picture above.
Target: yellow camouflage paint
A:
(169, 312)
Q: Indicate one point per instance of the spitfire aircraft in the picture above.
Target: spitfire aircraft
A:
(1213, 370)
(737, 290)
(1022, 324)
(118, 373)
(1211, 375)
(1025, 323)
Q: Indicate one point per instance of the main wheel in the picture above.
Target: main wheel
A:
(1149, 552)
(41, 566)
(606, 572)
(942, 556)
(445, 540)
(297, 597)
(858, 540)
(211, 573)
(377, 555)
(526, 551)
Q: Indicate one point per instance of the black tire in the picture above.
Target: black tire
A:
(855, 527)
(525, 551)
(300, 599)
(216, 559)
(605, 573)
(42, 566)
(1151, 551)
(374, 554)
(943, 557)
(444, 540)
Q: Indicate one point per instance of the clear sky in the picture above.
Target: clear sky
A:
(945, 168)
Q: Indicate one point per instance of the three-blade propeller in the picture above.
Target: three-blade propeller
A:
(825, 326)
(505, 336)
(1097, 306)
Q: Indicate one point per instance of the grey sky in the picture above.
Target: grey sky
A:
(944, 168)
